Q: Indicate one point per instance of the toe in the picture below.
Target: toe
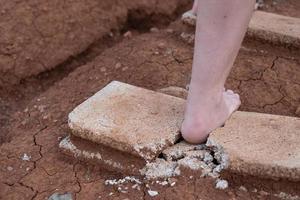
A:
(229, 92)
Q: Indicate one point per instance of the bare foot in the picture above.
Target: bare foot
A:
(205, 115)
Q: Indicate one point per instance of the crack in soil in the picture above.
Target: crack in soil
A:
(77, 180)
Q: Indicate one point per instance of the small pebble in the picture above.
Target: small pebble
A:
(9, 168)
(124, 69)
(128, 34)
(154, 30)
(161, 45)
(152, 193)
(169, 30)
(102, 69)
(118, 65)
(25, 157)
(221, 184)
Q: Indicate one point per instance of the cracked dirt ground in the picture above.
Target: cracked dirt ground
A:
(267, 78)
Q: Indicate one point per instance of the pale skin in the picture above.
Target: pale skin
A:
(220, 29)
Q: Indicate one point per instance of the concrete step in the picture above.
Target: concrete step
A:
(261, 144)
(275, 28)
(107, 157)
(130, 119)
(134, 130)
(270, 27)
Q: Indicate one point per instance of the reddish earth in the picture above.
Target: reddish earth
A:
(282, 7)
(34, 112)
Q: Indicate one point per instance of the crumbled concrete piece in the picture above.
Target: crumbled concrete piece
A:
(261, 145)
(175, 91)
(189, 38)
(26, 157)
(285, 196)
(126, 179)
(57, 196)
(275, 28)
(221, 184)
(160, 169)
(178, 150)
(189, 18)
(243, 188)
(130, 119)
(199, 154)
(192, 163)
(152, 193)
(172, 184)
(108, 158)
(208, 158)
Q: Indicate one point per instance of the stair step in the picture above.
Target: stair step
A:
(124, 127)
(275, 28)
(261, 144)
(130, 119)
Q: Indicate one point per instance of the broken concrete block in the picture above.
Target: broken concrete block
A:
(275, 28)
(130, 119)
(262, 145)
(175, 91)
(108, 158)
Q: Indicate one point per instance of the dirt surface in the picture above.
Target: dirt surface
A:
(266, 77)
(34, 117)
(283, 7)
(39, 35)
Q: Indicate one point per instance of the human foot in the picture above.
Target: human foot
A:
(204, 116)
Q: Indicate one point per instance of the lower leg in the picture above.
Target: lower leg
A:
(221, 26)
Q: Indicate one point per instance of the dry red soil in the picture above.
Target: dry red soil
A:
(34, 110)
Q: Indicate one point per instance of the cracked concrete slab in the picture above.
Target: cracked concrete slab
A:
(275, 28)
(108, 158)
(262, 145)
(130, 119)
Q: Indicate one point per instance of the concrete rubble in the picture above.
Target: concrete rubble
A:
(117, 138)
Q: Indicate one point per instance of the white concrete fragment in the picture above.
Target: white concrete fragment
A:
(221, 184)
(152, 193)
(160, 169)
(26, 157)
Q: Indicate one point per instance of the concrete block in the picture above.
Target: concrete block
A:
(262, 145)
(175, 91)
(129, 119)
(275, 28)
(106, 157)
